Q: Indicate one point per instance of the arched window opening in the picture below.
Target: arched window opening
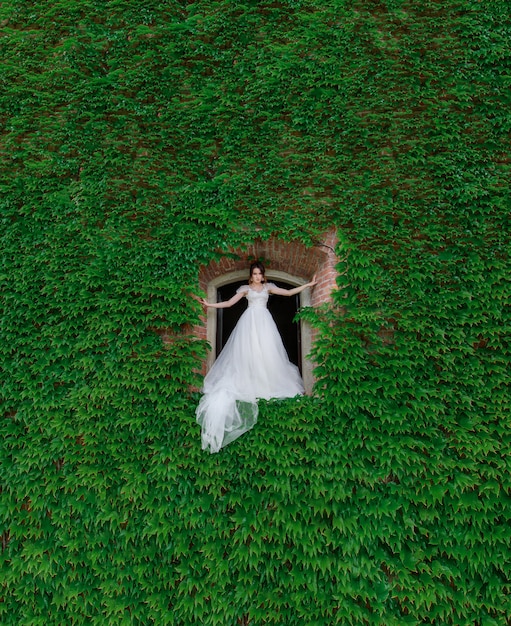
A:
(298, 347)
(288, 265)
(282, 308)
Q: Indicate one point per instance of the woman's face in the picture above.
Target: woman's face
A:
(257, 276)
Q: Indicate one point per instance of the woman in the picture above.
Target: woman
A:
(253, 364)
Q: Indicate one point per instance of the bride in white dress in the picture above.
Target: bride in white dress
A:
(253, 364)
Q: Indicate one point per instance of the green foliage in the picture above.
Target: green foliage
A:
(143, 139)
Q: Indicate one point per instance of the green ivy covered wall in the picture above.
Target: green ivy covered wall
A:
(141, 142)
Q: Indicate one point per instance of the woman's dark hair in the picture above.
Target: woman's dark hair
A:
(259, 266)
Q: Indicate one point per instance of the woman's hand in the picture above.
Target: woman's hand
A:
(201, 300)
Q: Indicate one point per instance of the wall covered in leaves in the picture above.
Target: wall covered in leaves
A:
(143, 139)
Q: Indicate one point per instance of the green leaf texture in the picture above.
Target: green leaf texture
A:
(142, 140)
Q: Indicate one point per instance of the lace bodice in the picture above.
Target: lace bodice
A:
(257, 298)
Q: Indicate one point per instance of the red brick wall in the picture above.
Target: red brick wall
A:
(326, 272)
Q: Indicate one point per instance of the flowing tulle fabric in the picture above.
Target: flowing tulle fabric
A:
(253, 364)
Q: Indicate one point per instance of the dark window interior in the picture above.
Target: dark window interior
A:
(282, 308)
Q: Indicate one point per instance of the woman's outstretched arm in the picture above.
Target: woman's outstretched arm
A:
(223, 305)
(278, 291)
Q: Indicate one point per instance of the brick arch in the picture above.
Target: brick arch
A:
(292, 258)
(291, 261)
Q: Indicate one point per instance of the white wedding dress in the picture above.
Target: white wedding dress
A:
(253, 364)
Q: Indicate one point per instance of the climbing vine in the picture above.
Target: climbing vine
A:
(142, 140)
